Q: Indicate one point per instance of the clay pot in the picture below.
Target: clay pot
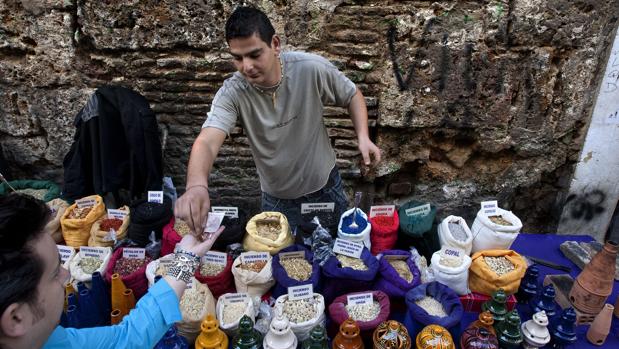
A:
(595, 283)
(486, 321)
(478, 338)
(535, 331)
(348, 337)
(600, 327)
(211, 337)
(616, 312)
(434, 337)
(391, 334)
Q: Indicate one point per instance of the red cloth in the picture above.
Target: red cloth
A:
(136, 281)
(338, 313)
(384, 234)
(170, 238)
(220, 283)
(472, 302)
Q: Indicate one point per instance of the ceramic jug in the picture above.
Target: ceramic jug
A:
(535, 331)
(508, 331)
(600, 327)
(486, 321)
(211, 337)
(563, 331)
(528, 285)
(391, 334)
(280, 335)
(348, 336)
(248, 338)
(595, 283)
(434, 337)
(478, 338)
(545, 302)
(496, 306)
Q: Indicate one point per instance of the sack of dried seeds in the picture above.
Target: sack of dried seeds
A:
(101, 232)
(39, 189)
(267, 232)
(454, 232)
(76, 222)
(361, 233)
(196, 303)
(57, 207)
(451, 272)
(254, 279)
(294, 266)
(303, 314)
(495, 232)
(384, 232)
(234, 231)
(173, 232)
(494, 269)
(81, 267)
(367, 316)
(135, 275)
(157, 267)
(338, 280)
(230, 308)
(397, 273)
(433, 303)
(218, 278)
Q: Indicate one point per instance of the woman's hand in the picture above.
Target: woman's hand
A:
(192, 244)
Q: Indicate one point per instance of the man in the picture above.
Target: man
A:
(32, 288)
(279, 98)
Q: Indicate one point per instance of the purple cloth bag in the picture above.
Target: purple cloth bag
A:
(284, 281)
(388, 279)
(338, 281)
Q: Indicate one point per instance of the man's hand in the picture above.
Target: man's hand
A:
(192, 207)
(191, 243)
(369, 151)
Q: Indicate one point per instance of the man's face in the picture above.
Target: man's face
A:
(255, 60)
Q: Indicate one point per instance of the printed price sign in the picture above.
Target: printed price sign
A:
(213, 222)
(490, 208)
(118, 214)
(300, 292)
(232, 212)
(422, 210)
(348, 248)
(155, 196)
(235, 297)
(65, 252)
(134, 253)
(97, 252)
(250, 257)
(85, 202)
(360, 299)
(215, 257)
(290, 255)
(384, 210)
(317, 207)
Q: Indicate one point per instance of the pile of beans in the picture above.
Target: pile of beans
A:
(253, 266)
(79, 212)
(110, 223)
(126, 266)
(350, 262)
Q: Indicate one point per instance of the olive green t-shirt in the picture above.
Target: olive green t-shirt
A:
(287, 136)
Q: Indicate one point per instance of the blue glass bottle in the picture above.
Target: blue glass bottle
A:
(171, 340)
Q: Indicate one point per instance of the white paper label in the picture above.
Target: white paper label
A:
(213, 222)
(384, 210)
(348, 248)
(65, 252)
(97, 252)
(454, 254)
(235, 298)
(250, 257)
(85, 202)
(232, 212)
(300, 292)
(290, 255)
(490, 208)
(317, 207)
(421, 210)
(155, 196)
(134, 253)
(215, 257)
(118, 214)
(360, 299)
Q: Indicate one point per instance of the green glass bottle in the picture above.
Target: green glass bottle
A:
(508, 331)
(317, 339)
(496, 306)
(248, 338)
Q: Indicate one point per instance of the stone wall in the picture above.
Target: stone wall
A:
(469, 100)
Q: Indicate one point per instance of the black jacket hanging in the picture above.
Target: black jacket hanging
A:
(116, 146)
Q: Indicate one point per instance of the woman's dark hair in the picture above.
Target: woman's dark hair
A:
(247, 21)
(22, 219)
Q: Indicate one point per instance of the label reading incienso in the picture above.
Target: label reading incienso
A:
(490, 208)
(251, 257)
(317, 207)
(215, 257)
(65, 252)
(384, 210)
(97, 252)
(232, 212)
(134, 253)
(348, 248)
(300, 292)
(421, 210)
(360, 299)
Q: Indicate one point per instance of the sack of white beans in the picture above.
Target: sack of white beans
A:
(454, 232)
(196, 303)
(303, 314)
(495, 232)
(230, 309)
(451, 268)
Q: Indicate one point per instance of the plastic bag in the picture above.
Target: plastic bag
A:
(488, 235)
(253, 241)
(384, 232)
(76, 231)
(136, 280)
(338, 280)
(250, 282)
(57, 207)
(283, 281)
(189, 326)
(389, 280)
(482, 279)
(265, 315)
(79, 275)
(231, 328)
(425, 272)
(105, 238)
(220, 283)
(455, 277)
(361, 234)
(338, 312)
(462, 240)
(153, 249)
(322, 243)
(302, 329)
(417, 318)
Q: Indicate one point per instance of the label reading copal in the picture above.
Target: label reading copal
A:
(117, 214)
(300, 292)
(348, 248)
(235, 298)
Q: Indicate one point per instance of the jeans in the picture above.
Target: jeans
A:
(291, 208)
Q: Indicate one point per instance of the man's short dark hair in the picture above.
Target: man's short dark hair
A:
(247, 21)
(22, 219)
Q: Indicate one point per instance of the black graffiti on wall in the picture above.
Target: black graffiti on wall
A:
(586, 206)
